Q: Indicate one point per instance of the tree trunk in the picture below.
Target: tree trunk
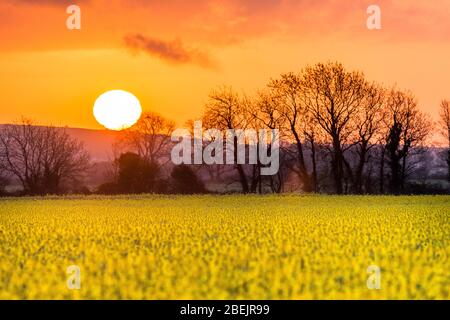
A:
(395, 174)
(403, 175)
(360, 168)
(240, 169)
(383, 150)
(306, 181)
(242, 178)
(448, 163)
(337, 166)
(314, 165)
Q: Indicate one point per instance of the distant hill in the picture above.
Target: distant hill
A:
(97, 142)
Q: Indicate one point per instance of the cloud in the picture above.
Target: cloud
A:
(170, 51)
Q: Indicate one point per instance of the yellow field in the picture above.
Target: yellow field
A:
(225, 247)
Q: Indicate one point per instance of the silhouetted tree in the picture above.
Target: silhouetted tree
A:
(136, 174)
(444, 123)
(185, 181)
(395, 153)
(224, 110)
(407, 128)
(367, 130)
(333, 96)
(43, 159)
(264, 112)
(287, 97)
(150, 137)
(108, 188)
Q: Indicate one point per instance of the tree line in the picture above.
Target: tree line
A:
(340, 133)
(334, 123)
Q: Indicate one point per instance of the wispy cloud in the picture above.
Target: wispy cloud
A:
(174, 52)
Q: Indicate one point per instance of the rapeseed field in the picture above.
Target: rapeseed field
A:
(225, 247)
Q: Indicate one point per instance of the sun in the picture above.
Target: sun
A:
(117, 109)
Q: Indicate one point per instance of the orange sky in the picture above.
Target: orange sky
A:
(170, 54)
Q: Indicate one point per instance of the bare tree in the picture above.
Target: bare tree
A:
(264, 113)
(150, 137)
(444, 123)
(367, 130)
(42, 158)
(333, 96)
(408, 128)
(227, 110)
(297, 125)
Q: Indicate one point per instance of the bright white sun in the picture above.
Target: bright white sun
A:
(117, 109)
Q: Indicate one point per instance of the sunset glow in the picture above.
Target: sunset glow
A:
(172, 54)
